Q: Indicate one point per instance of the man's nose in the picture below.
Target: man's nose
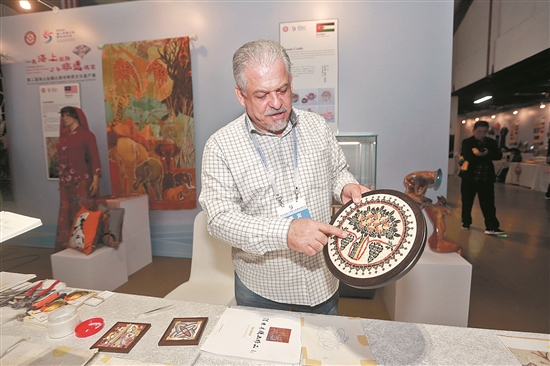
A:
(275, 100)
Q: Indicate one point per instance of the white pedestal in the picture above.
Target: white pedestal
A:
(136, 233)
(103, 269)
(435, 291)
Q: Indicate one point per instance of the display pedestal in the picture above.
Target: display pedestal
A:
(435, 291)
(136, 233)
(103, 269)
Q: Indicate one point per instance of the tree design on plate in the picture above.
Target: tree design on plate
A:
(377, 227)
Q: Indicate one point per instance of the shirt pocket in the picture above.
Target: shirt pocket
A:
(314, 167)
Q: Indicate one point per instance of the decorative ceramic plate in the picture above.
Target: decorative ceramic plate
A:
(386, 236)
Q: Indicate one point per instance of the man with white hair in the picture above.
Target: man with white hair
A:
(268, 180)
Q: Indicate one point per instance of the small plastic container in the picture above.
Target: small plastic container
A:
(62, 321)
(89, 327)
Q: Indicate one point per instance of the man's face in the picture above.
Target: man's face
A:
(480, 133)
(268, 96)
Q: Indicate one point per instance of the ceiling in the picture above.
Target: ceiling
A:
(526, 83)
(36, 6)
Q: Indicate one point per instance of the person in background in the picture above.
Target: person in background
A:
(268, 180)
(79, 171)
(479, 179)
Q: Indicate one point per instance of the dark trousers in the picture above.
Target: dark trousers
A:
(486, 194)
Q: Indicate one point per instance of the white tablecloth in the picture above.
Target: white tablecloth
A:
(392, 343)
(533, 176)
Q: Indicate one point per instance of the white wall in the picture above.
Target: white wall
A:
(519, 29)
(395, 82)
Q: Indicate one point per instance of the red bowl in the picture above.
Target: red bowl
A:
(89, 327)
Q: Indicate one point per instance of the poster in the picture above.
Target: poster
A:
(52, 99)
(313, 50)
(538, 131)
(150, 125)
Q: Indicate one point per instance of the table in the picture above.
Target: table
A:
(531, 175)
(392, 343)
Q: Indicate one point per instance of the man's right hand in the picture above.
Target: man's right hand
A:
(310, 236)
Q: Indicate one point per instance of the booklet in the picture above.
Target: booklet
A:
(528, 351)
(10, 280)
(12, 224)
(258, 335)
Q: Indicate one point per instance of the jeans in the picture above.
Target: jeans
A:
(486, 194)
(246, 297)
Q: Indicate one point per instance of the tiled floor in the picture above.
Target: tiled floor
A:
(510, 279)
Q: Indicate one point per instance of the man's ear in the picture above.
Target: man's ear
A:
(240, 95)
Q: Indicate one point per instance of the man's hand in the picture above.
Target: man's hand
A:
(310, 236)
(353, 192)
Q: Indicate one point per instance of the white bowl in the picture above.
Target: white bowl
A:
(62, 321)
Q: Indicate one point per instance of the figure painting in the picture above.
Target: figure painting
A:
(150, 125)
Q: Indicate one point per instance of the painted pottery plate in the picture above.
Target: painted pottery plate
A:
(386, 236)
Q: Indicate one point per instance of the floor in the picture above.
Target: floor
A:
(510, 278)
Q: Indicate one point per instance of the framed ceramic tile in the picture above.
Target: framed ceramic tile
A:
(122, 337)
(183, 332)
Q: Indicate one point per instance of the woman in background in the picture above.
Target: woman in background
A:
(79, 171)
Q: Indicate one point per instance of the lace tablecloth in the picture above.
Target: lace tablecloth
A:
(392, 343)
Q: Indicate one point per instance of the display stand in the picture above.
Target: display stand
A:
(136, 233)
(104, 269)
(435, 291)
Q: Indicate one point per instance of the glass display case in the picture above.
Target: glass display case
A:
(360, 152)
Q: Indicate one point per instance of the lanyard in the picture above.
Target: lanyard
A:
(270, 173)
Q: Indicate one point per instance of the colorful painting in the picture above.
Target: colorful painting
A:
(150, 124)
(183, 331)
(6, 193)
(122, 337)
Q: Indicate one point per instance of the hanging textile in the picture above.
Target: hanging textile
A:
(150, 124)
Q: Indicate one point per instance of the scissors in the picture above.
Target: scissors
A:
(29, 298)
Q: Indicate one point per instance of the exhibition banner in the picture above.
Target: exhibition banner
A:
(150, 125)
(313, 50)
(52, 99)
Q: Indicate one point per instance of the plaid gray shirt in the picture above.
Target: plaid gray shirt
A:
(241, 206)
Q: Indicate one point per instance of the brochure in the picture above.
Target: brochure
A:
(258, 335)
(12, 224)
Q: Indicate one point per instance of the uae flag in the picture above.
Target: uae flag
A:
(325, 27)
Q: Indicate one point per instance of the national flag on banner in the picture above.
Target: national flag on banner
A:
(325, 27)
(67, 4)
(71, 89)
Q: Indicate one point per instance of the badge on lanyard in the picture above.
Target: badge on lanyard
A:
(295, 210)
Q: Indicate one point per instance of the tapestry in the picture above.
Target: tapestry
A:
(6, 193)
(150, 125)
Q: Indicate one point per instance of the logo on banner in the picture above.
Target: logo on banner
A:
(30, 38)
(47, 36)
(71, 89)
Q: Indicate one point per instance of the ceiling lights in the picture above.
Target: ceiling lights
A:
(483, 99)
(27, 5)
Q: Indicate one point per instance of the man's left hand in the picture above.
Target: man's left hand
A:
(353, 192)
